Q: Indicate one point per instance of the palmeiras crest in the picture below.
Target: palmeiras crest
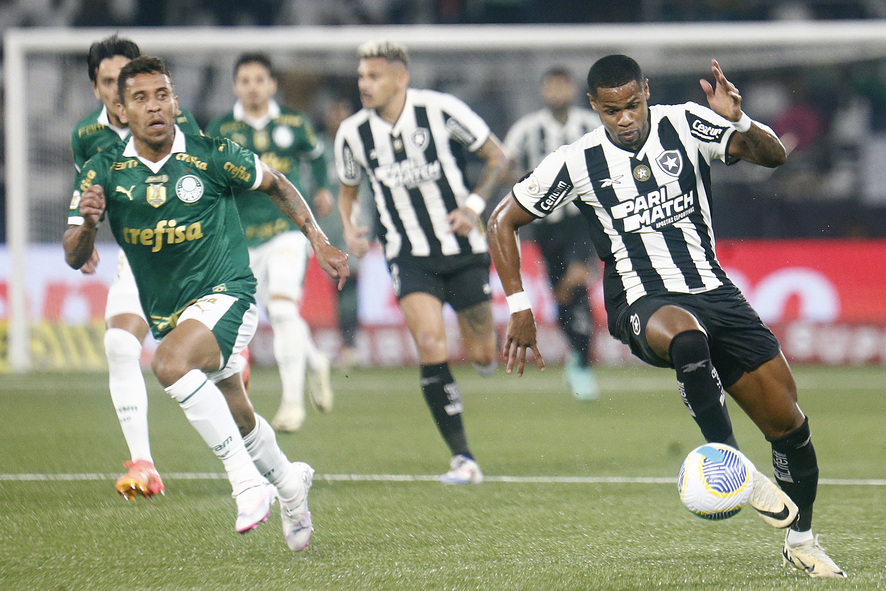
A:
(671, 162)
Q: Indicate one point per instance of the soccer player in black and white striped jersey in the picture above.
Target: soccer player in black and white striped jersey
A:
(409, 144)
(642, 182)
(562, 236)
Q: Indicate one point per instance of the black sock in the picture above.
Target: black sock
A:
(796, 471)
(444, 399)
(577, 324)
(700, 386)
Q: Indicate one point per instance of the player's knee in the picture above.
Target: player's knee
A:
(282, 310)
(482, 355)
(429, 344)
(121, 346)
(169, 368)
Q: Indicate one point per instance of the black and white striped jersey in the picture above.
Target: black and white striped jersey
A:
(537, 134)
(649, 211)
(415, 169)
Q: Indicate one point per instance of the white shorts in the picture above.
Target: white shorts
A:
(279, 266)
(123, 293)
(233, 321)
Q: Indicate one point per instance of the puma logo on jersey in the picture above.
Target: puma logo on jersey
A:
(128, 193)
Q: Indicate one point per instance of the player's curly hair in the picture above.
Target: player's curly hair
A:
(393, 52)
(145, 64)
(106, 48)
(613, 71)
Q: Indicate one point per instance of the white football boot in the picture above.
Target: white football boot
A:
(462, 470)
(810, 558)
(294, 513)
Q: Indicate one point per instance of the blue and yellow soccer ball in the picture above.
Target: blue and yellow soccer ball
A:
(715, 481)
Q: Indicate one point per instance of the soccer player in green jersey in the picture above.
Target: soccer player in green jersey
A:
(278, 253)
(168, 199)
(126, 324)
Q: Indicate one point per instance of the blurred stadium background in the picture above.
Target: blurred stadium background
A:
(807, 242)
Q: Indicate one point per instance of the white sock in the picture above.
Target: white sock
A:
(269, 458)
(798, 537)
(128, 391)
(205, 408)
(293, 349)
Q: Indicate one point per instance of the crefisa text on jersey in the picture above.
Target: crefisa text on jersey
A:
(153, 237)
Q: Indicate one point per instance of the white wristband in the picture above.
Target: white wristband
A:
(517, 302)
(743, 124)
(475, 203)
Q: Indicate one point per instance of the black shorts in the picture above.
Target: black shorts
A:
(739, 340)
(462, 281)
(562, 243)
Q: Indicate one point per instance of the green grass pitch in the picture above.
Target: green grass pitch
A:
(579, 495)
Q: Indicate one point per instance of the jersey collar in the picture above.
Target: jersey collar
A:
(178, 145)
(103, 118)
(397, 128)
(257, 122)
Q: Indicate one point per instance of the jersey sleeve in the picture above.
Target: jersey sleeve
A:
(710, 131)
(548, 186)
(515, 143)
(314, 152)
(214, 128)
(187, 123)
(349, 169)
(463, 124)
(93, 172)
(239, 166)
(77, 151)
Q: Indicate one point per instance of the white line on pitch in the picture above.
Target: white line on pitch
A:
(414, 478)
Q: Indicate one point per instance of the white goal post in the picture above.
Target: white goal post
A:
(450, 56)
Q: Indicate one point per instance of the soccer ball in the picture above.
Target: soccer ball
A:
(715, 481)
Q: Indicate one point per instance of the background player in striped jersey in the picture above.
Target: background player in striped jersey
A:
(126, 324)
(177, 223)
(643, 183)
(409, 144)
(563, 236)
(278, 252)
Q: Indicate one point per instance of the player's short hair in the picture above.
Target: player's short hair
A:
(256, 57)
(557, 72)
(107, 48)
(145, 64)
(393, 52)
(613, 71)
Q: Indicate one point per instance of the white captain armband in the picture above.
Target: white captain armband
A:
(517, 302)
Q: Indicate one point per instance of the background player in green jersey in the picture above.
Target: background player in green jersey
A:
(278, 253)
(126, 324)
(168, 198)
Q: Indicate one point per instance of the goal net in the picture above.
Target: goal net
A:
(52, 317)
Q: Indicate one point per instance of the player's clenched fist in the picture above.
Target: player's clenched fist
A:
(92, 204)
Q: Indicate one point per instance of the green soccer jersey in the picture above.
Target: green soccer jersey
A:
(94, 133)
(176, 220)
(286, 139)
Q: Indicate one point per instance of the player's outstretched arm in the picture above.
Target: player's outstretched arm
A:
(464, 219)
(291, 203)
(348, 204)
(506, 218)
(79, 241)
(755, 143)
